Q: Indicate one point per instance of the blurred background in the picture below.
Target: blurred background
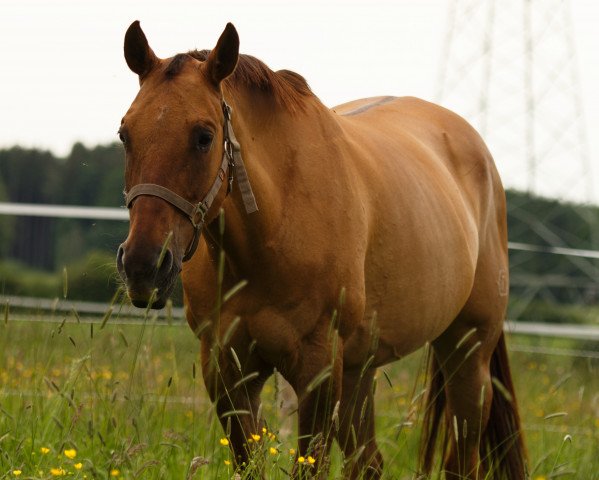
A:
(79, 370)
(523, 72)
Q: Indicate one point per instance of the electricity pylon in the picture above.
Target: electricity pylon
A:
(510, 68)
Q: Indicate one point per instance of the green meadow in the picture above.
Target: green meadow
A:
(114, 400)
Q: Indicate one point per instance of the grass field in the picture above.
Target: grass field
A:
(128, 401)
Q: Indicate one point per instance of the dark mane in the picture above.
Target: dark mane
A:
(174, 67)
(288, 88)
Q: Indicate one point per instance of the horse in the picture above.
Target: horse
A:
(322, 243)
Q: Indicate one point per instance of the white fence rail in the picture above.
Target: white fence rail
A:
(559, 330)
(82, 308)
(127, 314)
(121, 214)
(105, 213)
(63, 211)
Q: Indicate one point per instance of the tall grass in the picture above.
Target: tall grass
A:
(128, 401)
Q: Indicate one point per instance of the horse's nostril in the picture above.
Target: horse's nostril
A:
(120, 255)
(144, 269)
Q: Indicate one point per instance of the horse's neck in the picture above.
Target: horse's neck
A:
(273, 142)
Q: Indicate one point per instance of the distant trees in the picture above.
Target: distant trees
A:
(90, 177)
(31, 176)
(550, 278)
(6, 225)
(94, 177)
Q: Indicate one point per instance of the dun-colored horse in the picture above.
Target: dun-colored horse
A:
(359, 233)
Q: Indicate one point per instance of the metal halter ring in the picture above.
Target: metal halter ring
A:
(200, 210)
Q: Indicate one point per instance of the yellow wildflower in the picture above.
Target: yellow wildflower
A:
(58, 472)
(264, 431)
(301, 459)
(292, 451)
(540, 477)
(70, 453)
(114, 472)
(78, 466)
(224, 442)
(16, 473)
(273, 450)
(311, 460)
(44, 450)
(272, 437)
(227, 462)
(255, 437)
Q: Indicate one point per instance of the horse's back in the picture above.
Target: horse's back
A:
(435, 206)
(410, 124)
(406, 138)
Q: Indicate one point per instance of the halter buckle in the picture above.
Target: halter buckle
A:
(227, 111)
(229, 148)
(200, 210)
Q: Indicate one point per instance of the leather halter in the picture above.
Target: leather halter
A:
(196, 213)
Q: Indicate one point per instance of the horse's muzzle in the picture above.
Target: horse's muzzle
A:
(150, 276)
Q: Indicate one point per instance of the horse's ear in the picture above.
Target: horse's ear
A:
(223, 58)
(138, 54)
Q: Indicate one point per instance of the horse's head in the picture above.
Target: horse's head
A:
(174, 138)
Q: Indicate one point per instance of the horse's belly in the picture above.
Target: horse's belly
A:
(415, 287)
(407, 317)
(403, 313)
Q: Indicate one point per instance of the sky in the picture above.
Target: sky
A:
(64, 78)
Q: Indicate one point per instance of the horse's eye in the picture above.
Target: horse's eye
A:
(122, 136)
(204, 140)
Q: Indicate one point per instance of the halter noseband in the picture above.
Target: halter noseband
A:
(196, 213)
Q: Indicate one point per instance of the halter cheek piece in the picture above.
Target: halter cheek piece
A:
(196, 213)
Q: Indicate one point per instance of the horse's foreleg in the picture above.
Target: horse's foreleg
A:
(356, 435)
(317, 381)
(234, 382)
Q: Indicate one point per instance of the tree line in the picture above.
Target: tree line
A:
(94, 177)
(87, 177)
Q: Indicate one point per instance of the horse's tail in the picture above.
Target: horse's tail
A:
(502, 451)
